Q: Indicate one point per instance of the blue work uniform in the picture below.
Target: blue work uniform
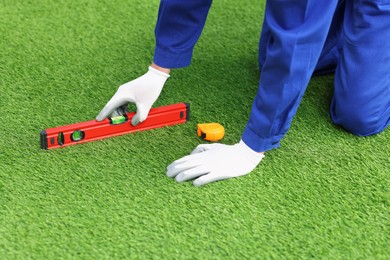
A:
(299, 37)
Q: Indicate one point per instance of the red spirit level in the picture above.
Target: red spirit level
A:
(93, 130)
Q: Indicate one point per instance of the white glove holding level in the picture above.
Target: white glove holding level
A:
(214, 162)
(142, 91)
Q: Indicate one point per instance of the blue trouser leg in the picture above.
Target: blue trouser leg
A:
(298, 30)
(179, 25)
(331, 52)
(361, 102)
(264, 39)
(329, 57)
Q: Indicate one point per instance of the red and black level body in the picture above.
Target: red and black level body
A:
(93, 130)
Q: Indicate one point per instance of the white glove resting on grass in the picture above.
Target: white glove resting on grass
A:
(214, 162)
(142, 91)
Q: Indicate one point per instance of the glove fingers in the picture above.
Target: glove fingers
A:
(208, 178)
(110, 107)
(201, 148)
(120, 111)
(123, 110)
(115, 113)
(191, 174)
(107, 110)
(206, 147)
(177, 167)
(191, 157)
(141, 115)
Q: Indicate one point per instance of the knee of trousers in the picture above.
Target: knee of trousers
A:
(360, 121)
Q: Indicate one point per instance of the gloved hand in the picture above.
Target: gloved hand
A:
(142, 91)
(213, 162)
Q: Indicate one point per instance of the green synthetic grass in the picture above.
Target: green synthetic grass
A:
(324, 194)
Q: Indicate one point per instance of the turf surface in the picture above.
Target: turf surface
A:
(324, 194)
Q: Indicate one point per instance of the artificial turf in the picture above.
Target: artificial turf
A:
(323, 194)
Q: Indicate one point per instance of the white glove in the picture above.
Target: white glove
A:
(214, 162)
(142, 91)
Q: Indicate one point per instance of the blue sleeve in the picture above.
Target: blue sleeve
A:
(296, 32)
(179, 25)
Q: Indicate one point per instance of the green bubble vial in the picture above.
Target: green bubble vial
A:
(116, 120)
(77, 135)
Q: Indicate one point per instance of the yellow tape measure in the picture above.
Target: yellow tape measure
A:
(211, 131)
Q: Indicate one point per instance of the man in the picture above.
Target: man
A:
(298, 38)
